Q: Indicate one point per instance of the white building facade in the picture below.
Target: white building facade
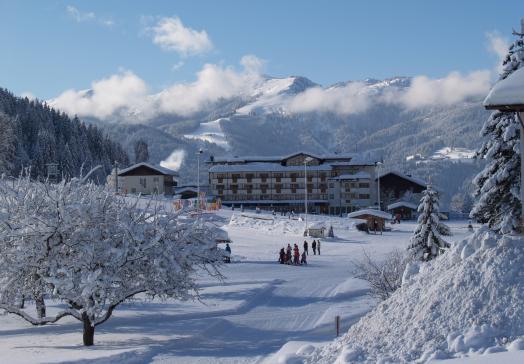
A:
(335, 183)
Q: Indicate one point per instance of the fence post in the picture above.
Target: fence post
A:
(337, 324)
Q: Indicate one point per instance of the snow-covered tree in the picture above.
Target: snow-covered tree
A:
(91, 249)
(427, 241)
(497, 186)
(141, 151)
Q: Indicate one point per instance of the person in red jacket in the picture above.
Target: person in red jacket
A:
(296, 255)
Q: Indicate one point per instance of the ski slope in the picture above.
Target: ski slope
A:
(259, 312)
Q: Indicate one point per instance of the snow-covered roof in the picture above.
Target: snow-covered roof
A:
(182, 189)
(415, 180)
(265, 167)
(372, 212)
(359, 175)
(507, 94)
(248, 159)
(317, 226)
(402, 204)
(159, 169)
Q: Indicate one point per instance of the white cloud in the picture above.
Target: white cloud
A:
(357, 97)
(127, 93)
(213, 83)
(172, 35)
(28, 94)
(175, 160)
(178, 65)
(498, 46)
(451, 89)
(107, 96)
(349, 99)
(88, 16)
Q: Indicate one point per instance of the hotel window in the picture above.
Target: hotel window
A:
(263, 177)
(143, 182)
(294, 177)
(363, 196)
(249, 177)
(323, 176)
(363, 185)
(235, 177)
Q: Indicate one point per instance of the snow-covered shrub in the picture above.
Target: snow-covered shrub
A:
(94, 250)
(383, 275)
(427, 241)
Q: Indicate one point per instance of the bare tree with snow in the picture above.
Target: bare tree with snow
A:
(93, 250)
(427, 241)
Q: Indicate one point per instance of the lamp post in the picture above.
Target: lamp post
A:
(200, 151)
(377, 165)
(306, 161)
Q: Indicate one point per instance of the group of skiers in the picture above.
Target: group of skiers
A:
(292, 255)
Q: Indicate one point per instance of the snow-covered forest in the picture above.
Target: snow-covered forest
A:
(32, 135)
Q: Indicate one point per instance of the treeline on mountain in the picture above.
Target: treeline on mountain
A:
(34, 135)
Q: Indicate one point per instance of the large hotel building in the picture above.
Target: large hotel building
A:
(336, 183)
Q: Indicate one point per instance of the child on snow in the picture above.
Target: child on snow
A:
(303, 260)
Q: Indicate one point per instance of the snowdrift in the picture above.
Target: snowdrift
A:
(468, 301)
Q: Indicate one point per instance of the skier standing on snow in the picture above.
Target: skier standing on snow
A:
(296, 255)
(282, 256)
(314, 246)
(288, 254)
(318, 246)
(306, 248)
(303, 260)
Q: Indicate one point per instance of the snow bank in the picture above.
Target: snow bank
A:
(468, 301)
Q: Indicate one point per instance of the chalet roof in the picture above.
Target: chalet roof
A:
(372, 212)
(402, 204)
(507, 94)
(159, 169)
(415, 180)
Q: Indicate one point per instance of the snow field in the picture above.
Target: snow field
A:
(263, 312)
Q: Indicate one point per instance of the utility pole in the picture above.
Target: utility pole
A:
(306, 160)
(116, 177)
(377, 165)
(200, 151)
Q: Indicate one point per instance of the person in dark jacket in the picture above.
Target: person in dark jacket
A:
(306, 248)
(282, 256)
(318, 246)
(314, 246)
(228, 256)
(303, 260)
(288, 254)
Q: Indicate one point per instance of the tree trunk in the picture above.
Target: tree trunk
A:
(89, 331)
(40, 306)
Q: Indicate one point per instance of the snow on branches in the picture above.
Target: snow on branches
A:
(497, 186)
(427, 241)
(92, 250)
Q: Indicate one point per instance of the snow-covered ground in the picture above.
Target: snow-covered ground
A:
(211, 132)
(263, 312)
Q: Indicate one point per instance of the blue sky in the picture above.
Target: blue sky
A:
(51, 46)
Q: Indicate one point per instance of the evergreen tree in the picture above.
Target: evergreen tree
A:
(427, 241)
(497, 186)
(32, 135)
(141, 151)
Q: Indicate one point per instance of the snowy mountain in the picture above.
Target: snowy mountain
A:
(280, 115)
